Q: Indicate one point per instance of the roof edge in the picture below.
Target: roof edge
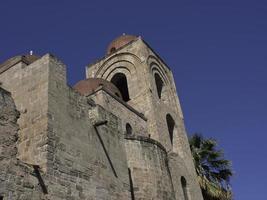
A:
(120, 101)
(15, 60)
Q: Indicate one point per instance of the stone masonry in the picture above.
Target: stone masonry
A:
(117, 135)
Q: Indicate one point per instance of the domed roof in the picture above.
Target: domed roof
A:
(120, 42)
(88, 86)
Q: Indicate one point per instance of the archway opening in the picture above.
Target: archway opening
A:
(159, 85)
(184, 187)
(171, 126)
(129, 129)
(120, 81)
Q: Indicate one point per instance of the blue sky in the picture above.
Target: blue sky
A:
(216, 50)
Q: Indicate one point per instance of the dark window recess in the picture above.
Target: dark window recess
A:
(112, 50)
(129, 129)
(171, 125)
(120, 81)
(1, 198)
(159, 84)
(184, 187)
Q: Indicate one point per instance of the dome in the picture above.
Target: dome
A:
(120, 42)
(88, 86)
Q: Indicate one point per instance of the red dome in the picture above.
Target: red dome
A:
(120, 42)
(88, 86)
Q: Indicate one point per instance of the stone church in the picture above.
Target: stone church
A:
(117, 135)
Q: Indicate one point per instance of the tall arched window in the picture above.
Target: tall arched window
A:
(159, 84)
(171, 126)
(129, 129)
(120, 81)
(184, 187)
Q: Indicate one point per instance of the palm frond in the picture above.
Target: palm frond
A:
(213, 170)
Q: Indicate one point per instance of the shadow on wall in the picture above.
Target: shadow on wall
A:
(104, 147)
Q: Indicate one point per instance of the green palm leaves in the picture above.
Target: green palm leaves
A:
(212, 169)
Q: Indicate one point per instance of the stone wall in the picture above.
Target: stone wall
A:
(192, 188)
(84, 159)
(17, 179)
(148, 164)
(85, 153)
(122, 110)
(29, 87)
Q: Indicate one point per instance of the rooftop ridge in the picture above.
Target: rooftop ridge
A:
(27, 59)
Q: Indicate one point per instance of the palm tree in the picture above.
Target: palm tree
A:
(213, 171)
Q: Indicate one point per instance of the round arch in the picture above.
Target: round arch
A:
(122, 59)
(120, 81)
(129, 129)
(161, 87)
(155, 65)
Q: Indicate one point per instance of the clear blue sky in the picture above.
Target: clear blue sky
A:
(216, 50)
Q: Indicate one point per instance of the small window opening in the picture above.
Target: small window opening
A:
(120, 81)
(129, 129)
(184, 187)
(112, 50)
(1, 198)
(159, 85)
(171, 125)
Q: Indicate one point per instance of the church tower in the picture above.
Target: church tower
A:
(146, 83)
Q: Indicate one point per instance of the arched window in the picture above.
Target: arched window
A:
(120, 81)
(159, 84)
(184, 187)
(129, 129)
(171, 126)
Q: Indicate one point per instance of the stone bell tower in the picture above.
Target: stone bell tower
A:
(146, 84)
